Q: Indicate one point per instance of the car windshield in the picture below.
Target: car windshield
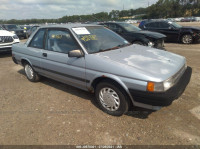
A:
(1, 28)
(129, 27)
(99, 39)
(10, 27)
(175, 25)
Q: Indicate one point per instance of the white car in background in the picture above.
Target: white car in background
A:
(7, 39)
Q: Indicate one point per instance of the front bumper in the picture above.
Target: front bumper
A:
(163, 98)
(5, 49)
(8, 46)
(196, 38)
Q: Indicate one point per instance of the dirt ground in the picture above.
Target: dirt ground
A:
(52, 113)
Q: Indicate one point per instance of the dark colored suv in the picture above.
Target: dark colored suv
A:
(173, 31)
(31, 30)
(137, 36)
(15, 29)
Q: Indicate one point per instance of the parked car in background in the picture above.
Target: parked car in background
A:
(15, 29)
(188, 19)
(31, 30)
(131, 21)
(197, 19)
(137, 36)
(96, 59)
(173, 31)
(178, 19)
(7, 39)
(25, 27)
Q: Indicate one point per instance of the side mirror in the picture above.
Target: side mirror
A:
(75, 53)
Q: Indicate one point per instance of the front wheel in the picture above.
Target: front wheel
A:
(111, 98)
(186, 39)
(30, 73)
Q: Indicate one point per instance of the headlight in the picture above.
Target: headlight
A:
(15, 37)
(12, 32)
(155, 87)
(159, 87)
(150, 44)
(167, 84)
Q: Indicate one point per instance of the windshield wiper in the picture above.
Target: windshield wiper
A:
(103, 50)
(117, 47)
(109, 49)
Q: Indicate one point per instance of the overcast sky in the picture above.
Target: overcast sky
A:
(46, 9)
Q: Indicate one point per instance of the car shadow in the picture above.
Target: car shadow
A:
(5, 54)
(135, 112)
(139, 113)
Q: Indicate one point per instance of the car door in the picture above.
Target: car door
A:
(168, 30)
(34, 50)
(55, 62)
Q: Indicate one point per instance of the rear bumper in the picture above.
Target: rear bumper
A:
(163, 98)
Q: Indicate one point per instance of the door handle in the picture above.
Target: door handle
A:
(44, 54)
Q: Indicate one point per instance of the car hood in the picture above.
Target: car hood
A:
(5, 33)
(151, 34)
(191, 27)
(152, 62)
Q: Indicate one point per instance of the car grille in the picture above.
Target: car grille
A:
(6, 39)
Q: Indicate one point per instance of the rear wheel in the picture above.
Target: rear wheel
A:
(111, 98)
(30, 73)
(186, 39)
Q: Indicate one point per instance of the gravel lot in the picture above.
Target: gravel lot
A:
(52, 113)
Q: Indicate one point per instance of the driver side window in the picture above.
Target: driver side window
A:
(163, 25)
(60, 41)
(112, 26)
(38, 39)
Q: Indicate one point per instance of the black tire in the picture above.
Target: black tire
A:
(187, 39)
(123, 98)
(138, 42)
(34, 77)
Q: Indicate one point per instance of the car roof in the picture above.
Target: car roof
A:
(72, 25)
(114, 22)
(9, 24)
(157, 20)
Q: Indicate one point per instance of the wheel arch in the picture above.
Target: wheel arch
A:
(143, 40)
(116, 81)
(185, 33)
(24, 61)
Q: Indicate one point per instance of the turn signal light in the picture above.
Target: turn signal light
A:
(150, 86)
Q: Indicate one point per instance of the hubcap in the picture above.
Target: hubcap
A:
(29, 71)
(187, 39)
(109, 99)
